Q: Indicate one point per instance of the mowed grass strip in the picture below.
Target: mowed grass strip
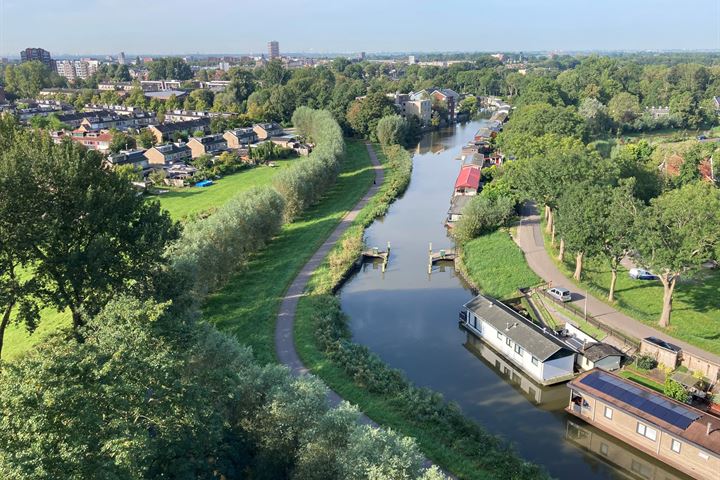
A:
(248, 304)
(184, 203)
(696, 303)
(496, 265)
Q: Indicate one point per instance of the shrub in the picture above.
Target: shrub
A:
(392, 130)
(675, 390)
(482, 214)
(646, 362)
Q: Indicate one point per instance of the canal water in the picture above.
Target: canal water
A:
(410, 319)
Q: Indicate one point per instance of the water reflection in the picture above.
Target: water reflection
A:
(409, 318)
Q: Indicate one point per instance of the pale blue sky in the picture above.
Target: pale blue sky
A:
(240, 26)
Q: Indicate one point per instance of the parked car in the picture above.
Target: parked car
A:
(640, 274)
(560, 293)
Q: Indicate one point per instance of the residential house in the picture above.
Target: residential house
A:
(94, 140)
(185, 115)
(658, 112)
(207, 145)
(135, 158)
(240, 137)
(468, 181)
(170, 153)
(103, 120)
(165, 131)
(267, 130)
(445, 95)
(407, 107)
(672, 432)
(535, 350)
(72, 120)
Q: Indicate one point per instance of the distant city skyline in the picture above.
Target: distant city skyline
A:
(107, 27)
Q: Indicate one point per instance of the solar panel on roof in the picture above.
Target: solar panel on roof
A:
(644, 401)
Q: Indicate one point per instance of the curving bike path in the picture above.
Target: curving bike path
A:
(284, 339)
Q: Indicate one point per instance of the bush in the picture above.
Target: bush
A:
(213, 248)
(675, 390)
(392, 130)
(483, 214)
(646, 362)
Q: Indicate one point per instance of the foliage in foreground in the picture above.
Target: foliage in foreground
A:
(149, 395)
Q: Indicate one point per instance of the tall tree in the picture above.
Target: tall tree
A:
(90, 235)
(678, 232)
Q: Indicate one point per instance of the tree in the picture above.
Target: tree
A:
(28, 78)
(541, 119)
(88, 232)
(619, 227)
(174, 68)
(121, 141)
(146, 139)
(468, 105)
(274, 73)
(364, 114)
(580, 217)
(391, 130)
(678, 232)
(595, 114)
(339, 64)
(623, 108)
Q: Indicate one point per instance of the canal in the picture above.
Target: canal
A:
(410, 319)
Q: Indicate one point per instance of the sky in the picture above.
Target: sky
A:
(349, 26)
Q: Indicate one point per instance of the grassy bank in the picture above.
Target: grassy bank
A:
(496, 265)
(248, 304)
(323, 342)
(183, 203)
(696, 305)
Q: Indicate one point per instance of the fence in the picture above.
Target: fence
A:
(626, 339)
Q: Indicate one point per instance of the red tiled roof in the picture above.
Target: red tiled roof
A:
(469, 177)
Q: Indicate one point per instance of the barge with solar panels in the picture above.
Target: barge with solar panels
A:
(676, 434)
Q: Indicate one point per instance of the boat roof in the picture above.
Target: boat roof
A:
(541, 343)
(679, 419)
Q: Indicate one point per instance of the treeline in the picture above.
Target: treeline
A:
(138, 387)
(306, 181)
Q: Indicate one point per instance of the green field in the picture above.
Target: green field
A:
(496, 265)
(696, 303)
(248, 304)
(183, 203)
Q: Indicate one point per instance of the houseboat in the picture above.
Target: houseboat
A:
(535, 350)
(468, 180)
(683, 437)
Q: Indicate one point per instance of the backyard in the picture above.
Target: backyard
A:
(184, 203)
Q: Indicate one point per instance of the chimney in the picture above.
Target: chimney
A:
(709, 428)
(507, 326)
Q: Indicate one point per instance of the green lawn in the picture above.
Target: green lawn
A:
(17, 339)
(496, 265)
(183, 203)
(643, 380)
(696, 303)
(248, 304)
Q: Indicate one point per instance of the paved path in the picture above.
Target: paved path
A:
(284, 340)
(530, 240)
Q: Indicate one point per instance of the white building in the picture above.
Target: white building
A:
(536, 351)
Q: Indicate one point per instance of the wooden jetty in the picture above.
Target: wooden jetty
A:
(375, 252)
(442, 255)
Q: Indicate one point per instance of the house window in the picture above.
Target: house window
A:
(508, 342)
(519, 350)
(646, 431)
(609, 413)
(534, 361)
(675, 446)
(500, 336)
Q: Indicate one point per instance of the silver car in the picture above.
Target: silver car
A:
(560, 293)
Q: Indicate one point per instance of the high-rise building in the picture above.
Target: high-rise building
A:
(39, 54)
(273, 49)
(77, 69)
(121, 58)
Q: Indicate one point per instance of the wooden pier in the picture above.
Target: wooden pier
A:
(375, 252)
(442, 255)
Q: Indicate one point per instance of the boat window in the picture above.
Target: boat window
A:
(646, 431)
(675, 446)
(508, 341)
(609, 413)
